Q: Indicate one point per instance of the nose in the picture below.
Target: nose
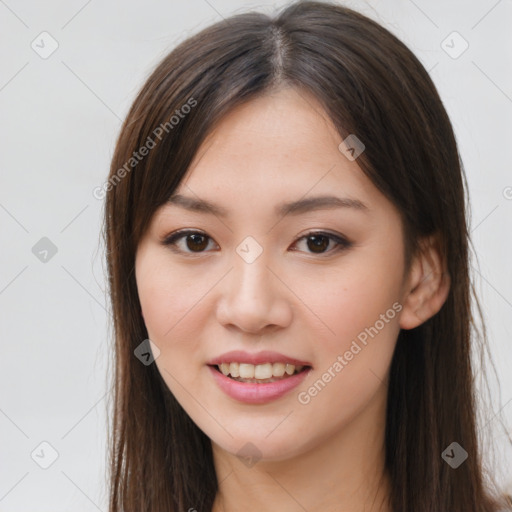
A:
(253, 299)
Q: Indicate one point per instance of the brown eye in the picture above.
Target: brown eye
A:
(195, 242)
(318, 243)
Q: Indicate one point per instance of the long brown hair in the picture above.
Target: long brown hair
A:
(372, 85)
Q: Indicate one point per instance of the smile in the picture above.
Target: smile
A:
(254, 390)
(266, 372)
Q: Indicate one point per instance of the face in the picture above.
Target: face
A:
(320, 283)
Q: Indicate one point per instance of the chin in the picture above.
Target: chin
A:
(252, 448)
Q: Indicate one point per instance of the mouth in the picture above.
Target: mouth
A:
(260, 373)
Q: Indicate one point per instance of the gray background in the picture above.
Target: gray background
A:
(60, 117)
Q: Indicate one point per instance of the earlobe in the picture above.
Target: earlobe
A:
(427, 287)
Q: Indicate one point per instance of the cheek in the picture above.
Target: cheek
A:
(362, 310)
(166, 296)
(176, 313)
(353, 299)
(158, 300)
(170, 305)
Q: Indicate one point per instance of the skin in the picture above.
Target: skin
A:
(327, 454)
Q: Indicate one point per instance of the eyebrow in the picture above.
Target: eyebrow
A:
(288, 208)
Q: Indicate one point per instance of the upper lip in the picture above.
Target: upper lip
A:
(266, 356)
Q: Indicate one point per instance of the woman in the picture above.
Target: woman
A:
(288, 267)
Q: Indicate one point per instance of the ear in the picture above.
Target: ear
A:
(427, 285)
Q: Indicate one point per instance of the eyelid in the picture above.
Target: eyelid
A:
(342, 242)
(170, 240)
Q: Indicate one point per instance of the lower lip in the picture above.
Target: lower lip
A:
(253, 393)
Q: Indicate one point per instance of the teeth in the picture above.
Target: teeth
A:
(234, 370)
(259, 371)
(263, 371)
(278, 369)
(246, 371)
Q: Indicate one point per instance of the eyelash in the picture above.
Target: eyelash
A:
(171, 240)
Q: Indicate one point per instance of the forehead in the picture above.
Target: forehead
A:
(280, 127)
(273, 151)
